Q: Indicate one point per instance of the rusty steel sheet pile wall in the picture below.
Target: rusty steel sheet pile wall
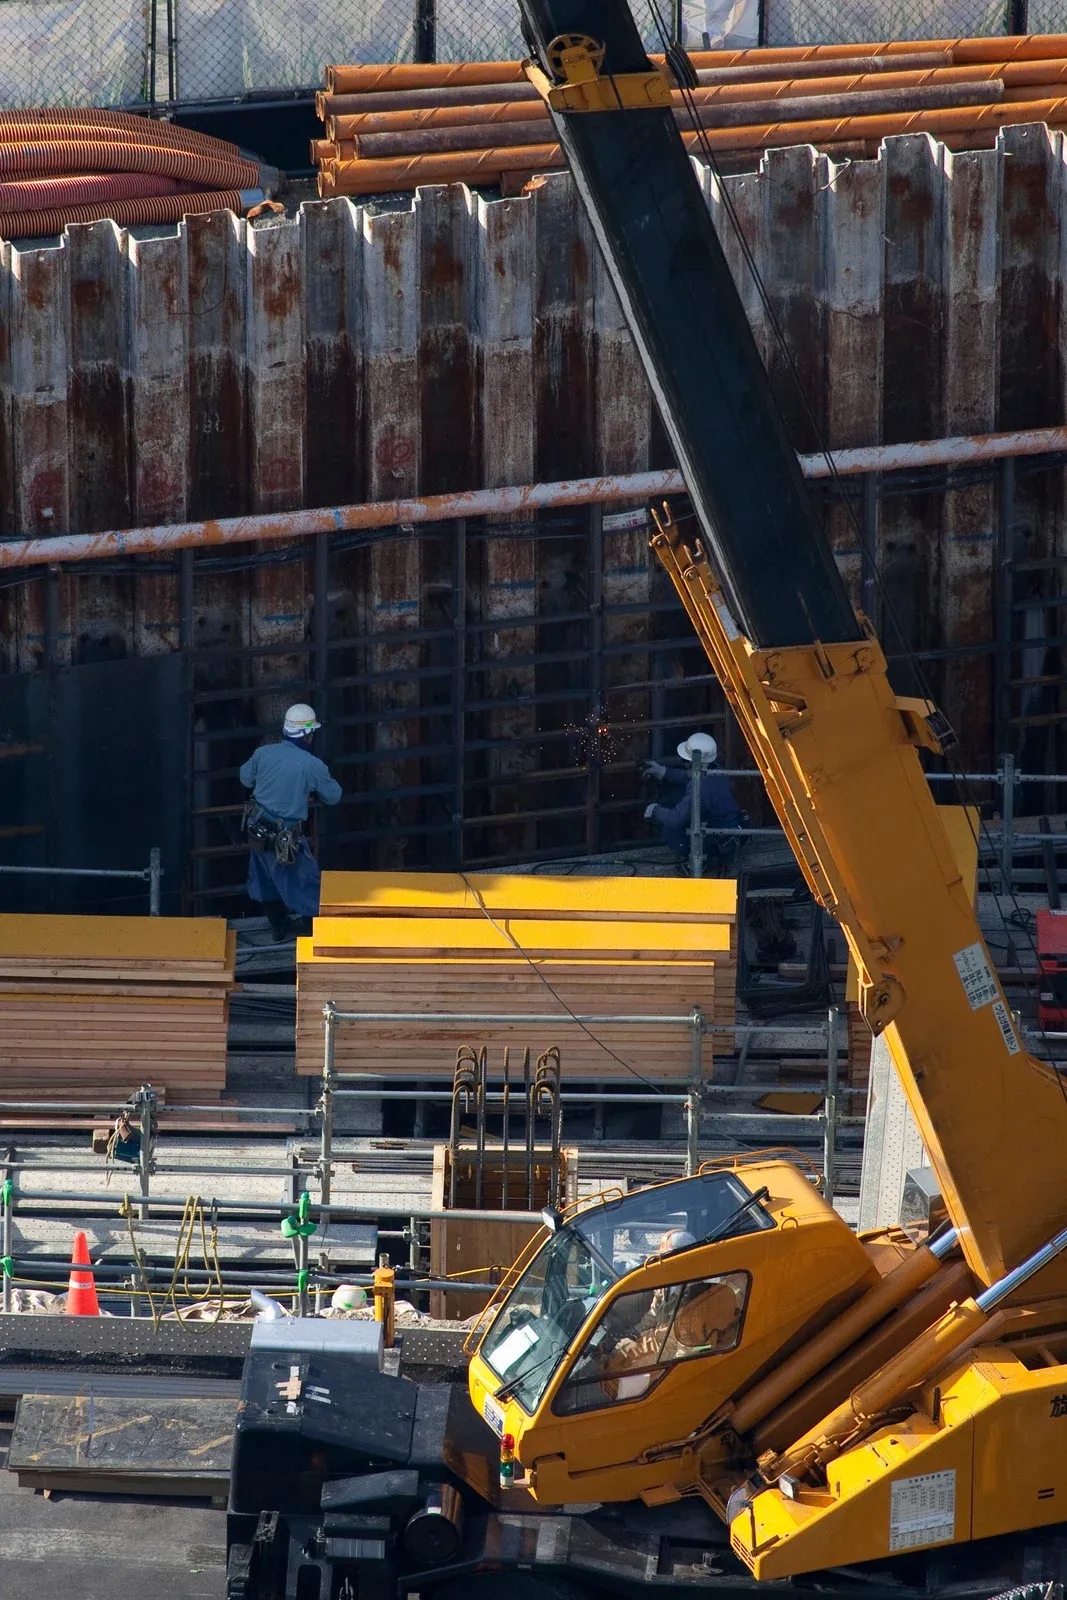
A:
(363, 353)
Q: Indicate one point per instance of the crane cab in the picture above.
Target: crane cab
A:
(638, 1318)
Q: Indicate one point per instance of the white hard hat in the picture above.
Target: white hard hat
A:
(677, 1239)
(703, 742)
(348, 1297)
(300, 719)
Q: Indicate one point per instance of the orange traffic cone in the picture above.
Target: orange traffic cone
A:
(81, 1292)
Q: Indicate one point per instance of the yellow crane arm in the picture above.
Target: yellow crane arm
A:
(838, 751)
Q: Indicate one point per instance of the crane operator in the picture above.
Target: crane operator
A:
(283, 875)
(718, 808)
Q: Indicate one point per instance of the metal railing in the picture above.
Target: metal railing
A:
(828, 1121)
(152, 875)
(998, 846)
(134, 1277)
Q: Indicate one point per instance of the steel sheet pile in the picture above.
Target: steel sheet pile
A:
(65, 165)
(391, 128)
(494, 945)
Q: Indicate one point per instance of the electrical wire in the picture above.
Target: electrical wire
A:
(480, 903)
(888, 608)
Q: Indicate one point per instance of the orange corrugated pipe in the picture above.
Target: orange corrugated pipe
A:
(127, 213)
(150, 130)
(352, 125)
(343, 79)
(16, 130)
(407, 172)
(962, 119)
(1025, 47)
(67, 156)
(61, 131)
(48, 194)
(419, 75)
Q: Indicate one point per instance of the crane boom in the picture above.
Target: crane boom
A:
(805, 675)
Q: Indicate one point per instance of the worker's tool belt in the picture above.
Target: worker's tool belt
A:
(273, 833)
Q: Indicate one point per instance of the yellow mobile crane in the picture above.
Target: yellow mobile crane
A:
(714, 1382)
(792, 1376)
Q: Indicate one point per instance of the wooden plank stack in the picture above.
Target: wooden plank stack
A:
(497, 944)
(395, 126)
(96, 1006)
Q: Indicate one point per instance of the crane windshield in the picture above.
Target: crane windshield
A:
(577, 1266)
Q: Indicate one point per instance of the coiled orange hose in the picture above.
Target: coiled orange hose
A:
(59, 127)
(48, 194)
(127, 213)
(72, 156)
(150, 130)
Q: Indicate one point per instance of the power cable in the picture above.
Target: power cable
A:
(507, 934)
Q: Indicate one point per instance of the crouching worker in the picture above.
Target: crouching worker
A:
(718, 808)
(283, 875)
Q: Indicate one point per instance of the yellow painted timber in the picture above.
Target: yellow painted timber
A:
(113, 939)
(450, 894)
(511, 960)
(428, 935)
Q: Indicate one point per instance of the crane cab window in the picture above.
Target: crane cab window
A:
(642, 1335)
(561, 1288)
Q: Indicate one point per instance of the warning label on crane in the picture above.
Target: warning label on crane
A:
(976, 975)
(1007, 1027)
(922, 1510)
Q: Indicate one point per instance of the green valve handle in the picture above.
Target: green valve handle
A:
(302, 1225)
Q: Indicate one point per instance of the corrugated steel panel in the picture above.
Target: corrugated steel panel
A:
(358, 354)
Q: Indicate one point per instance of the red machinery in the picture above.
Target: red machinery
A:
(1052, 963)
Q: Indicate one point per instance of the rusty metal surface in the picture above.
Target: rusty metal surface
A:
(271, 401)
(960, 451)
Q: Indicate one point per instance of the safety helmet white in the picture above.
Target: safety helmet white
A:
(677, 1239)
(299, 720)
(703, 742)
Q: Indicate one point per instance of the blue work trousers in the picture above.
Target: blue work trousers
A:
(297, 886)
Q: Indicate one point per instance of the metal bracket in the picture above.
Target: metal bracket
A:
(577, 60)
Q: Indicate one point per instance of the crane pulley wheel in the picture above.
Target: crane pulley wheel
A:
(562, 46)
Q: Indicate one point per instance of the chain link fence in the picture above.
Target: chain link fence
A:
(792, 22)
(228, 48)
(122, 52)
(81, 52)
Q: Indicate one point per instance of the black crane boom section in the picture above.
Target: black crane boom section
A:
(668, 268)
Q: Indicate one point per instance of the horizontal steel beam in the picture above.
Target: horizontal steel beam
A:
(35, 552)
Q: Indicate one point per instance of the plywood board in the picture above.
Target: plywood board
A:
(430, 936)
(110, 939)
(583, 898)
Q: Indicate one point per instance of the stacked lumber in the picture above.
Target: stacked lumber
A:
(95, 1006)
(391, 128)
(61, 164)
(491, 945)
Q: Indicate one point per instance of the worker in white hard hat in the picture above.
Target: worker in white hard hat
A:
(283, 875)
(718, 808)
